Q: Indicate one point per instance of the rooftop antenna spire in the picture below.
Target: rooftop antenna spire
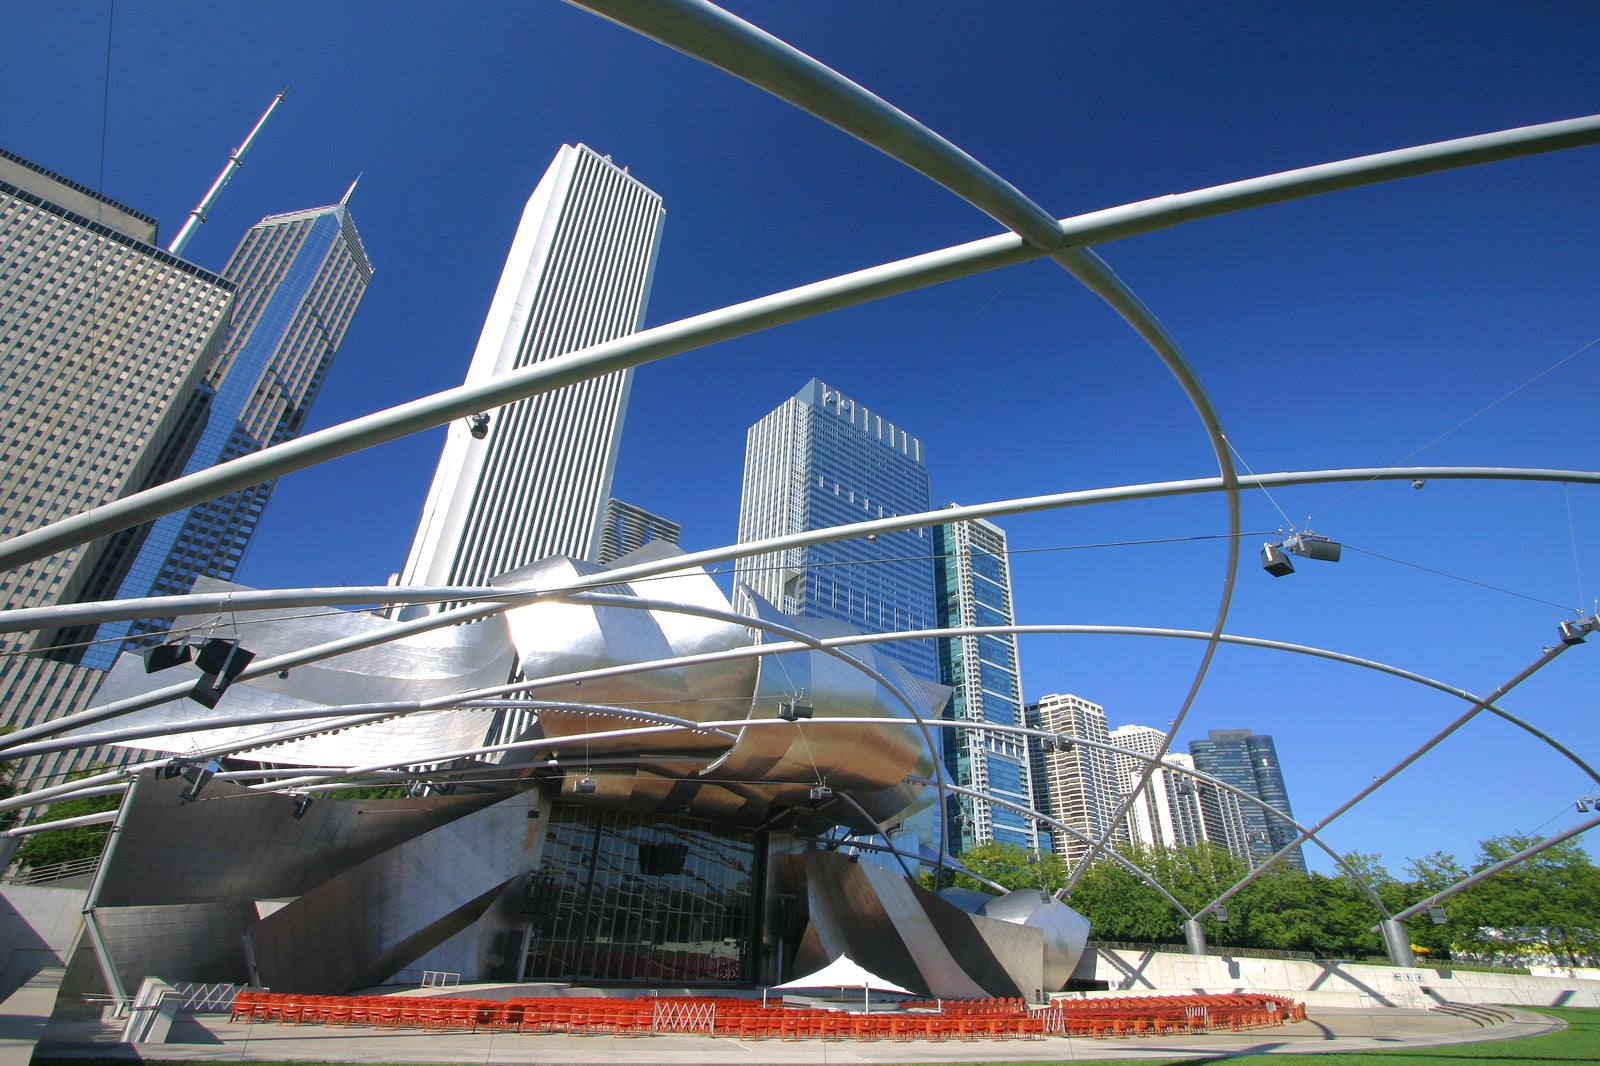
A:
(345, 199)
(235, 160)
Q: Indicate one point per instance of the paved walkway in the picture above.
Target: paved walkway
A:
(24, 1013)
(215, 1039)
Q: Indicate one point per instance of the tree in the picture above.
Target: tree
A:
(65, 845)
(1011, 867)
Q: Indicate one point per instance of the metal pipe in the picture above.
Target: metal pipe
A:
(1490, 871)
(752, 316)
(1547, 656)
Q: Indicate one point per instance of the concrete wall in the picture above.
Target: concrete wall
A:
(1330, 984)
(38, 927)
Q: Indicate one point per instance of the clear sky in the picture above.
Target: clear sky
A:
(1348, 330)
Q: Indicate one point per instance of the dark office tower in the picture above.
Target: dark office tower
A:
(972, 587)
(820, 460)
(301, 276)
(1250, 764)
(103, 338)
(626, 528)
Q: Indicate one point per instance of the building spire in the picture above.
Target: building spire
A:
(235, 161)
(344, 201)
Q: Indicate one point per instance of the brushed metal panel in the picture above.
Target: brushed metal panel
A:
(849, 919)
(236, 845)
(419, 666)
(929, 944)
(1017, 951)
(188, 942)
(361, 926)
(1065, 931)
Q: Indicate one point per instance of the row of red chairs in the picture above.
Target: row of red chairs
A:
(1159, 1015)
(997, 1019)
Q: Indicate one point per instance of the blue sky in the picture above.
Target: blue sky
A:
(1349, 330)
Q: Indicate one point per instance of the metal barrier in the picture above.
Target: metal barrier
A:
(206, 999)
(56, 871)
(679, 1016)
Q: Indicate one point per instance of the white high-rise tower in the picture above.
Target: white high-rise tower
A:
(534, 480)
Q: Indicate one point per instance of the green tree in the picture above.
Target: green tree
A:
(1009, 866)
(1550, 899)
(65, 845)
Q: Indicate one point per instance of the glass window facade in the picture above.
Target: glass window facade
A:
(632, 896)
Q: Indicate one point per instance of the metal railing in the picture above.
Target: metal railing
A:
(56, 871)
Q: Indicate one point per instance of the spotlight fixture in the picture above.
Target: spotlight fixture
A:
(1311, 546)
(1572, 632)
(1275, 557)
(1582, 805)
(795, 709)
(872, 538)
(302, 805)
(166, 656)
(283, 675)
(478, 425)
(821, 794)
(1436, 915)
(1056, 742)
(197, 776)
(584, 786)
(221, 661)
(1220, 912)
(1274, 562)
(1418, 482)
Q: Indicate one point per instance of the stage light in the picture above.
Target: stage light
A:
(1274, 562)
(584, 786)
(1275, 557)
(795, 709)
(197, 776)
(301, 807)
(821, 794)
(221, 661)
(166, 656)
(1572, 633)
(478, 426)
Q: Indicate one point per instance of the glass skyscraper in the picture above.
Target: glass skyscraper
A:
(821, 460)
(972, 582)
(531, 480)
(301, 277)
(1250, 764)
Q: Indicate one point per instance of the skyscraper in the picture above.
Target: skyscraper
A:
(819, 460)
(103, 337)
(972, 587)
(627, 528)
(1250, 763)
(1167, 814)
(1080, 783)
(530, 481)
(301, 276)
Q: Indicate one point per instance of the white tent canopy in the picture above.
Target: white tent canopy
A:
(844, 972)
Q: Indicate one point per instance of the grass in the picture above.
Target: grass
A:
(1578, 1042)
